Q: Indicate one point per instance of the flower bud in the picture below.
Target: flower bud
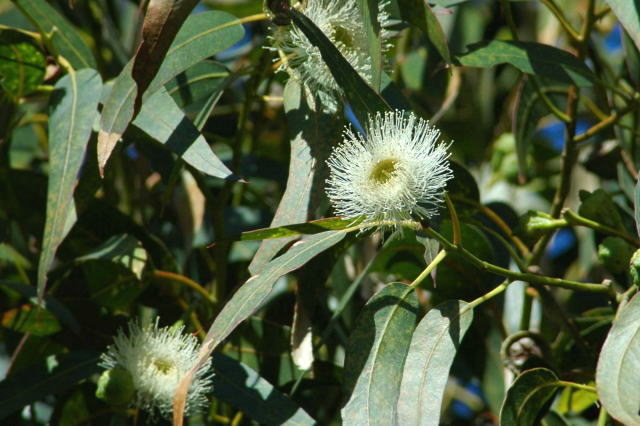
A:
(634, 268)
(115, 387)
(615, 253)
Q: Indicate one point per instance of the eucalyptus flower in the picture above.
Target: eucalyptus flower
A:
(341, 22)
(396, 172)
(157, 359)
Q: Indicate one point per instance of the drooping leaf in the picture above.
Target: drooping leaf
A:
(250, 297)
(628, 12)
(420, 14)
(163, 120)
(376, 353)
(74, 105)
(433, 347)
(22, 64)
(65, 40)
(307, 228)
(369, 10)
(57, 374)
(243, 388)
(201, 36)
(363, 99)
(616, 381)
(161, 23)
(310, 129)
(527, 396)
(531, 58)
(29, 318)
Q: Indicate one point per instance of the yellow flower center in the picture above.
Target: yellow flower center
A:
(383, 171)
(162, 365)
(342, 35)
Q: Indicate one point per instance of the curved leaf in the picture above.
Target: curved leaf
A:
(74, 105)
(529, 57)
(433, 347)
(617, 380)
(201, 36)
(420, 14)
(376, 353)
(527, 396)
(54, 27)
(165, 122)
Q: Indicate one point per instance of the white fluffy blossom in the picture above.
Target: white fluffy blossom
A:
(397, 171)
(340, 21)
(157, 359)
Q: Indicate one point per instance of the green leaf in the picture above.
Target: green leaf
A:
(433, 347)
(57, 374)
(616, 380)
(31, 319)
(165, 122)
(310, 130)
(376, 353)
(628, 12)
(243, 388)
(420, 14)
(74, 103)
(527, 396)
(307, 228)
(363, 99)
(198, 82)
(531, 58)
(201, 36)
(255, 290)
(22, 64)
(122, 249)
(369, 10)
(64, 39)
(161, 23)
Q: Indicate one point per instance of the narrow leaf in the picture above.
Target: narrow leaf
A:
(433, 347)
(74, 103)
(165, 122)
(30, 319)
(57, 374)
(308, 228)
(363, 99)
(420, 14)
(310, 130)
(201, 36)
(369, 15)
(249, 298)
(161, 24)
(53, 26)
(628, 12)
(527, 396)
(616, 378)
(243, 388)
(531, 58)
(376, 353)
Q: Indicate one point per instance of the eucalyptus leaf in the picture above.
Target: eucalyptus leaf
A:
(616, 381)
(434, 345)
(376, 353)
(527, 396)
(22, 63)
(628, 12)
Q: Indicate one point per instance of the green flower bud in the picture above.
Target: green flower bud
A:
(634, 267)
(614, 253)
(535, 224)
(115, 387)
